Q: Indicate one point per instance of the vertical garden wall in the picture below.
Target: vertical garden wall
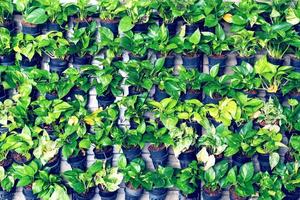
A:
(149, 99)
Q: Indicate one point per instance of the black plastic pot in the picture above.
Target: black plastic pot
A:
(134, 90)
(75, 91)
(8, 24)
(275, 61)
(137, 57)
(111, 25)
(19, 159)
(132, 194)
(28, 194)
(291, 195)
(239, 159)
(3, 94)
(7, 162)
(172, 28)
(193, 62)
(51, 97)
(54, 166)
(49, 26)
(194, 196)
(191, 94)
(87, 196)
(51, 132)
(295, 63)
(79, 61)
(78, 161)
(277, 95)
(26, 63)
(30, 29)
(190, 29)
(297, 28)
(250, 60)
(105, 101)
(82, 23)
(159, 156)
(7, 60)
(218, 60)
(132, 153)
(160, 94)
(264, 163)
(105, 195)
(196, 126)
(158, 194)
(58, 65)
(251, 94)
(233, 195)
(185, 158)
(4, 195)
(216, 195)
(169, 61)
(208, 99)
(141, 28)
(105, 154)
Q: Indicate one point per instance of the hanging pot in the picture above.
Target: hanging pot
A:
(7, 60)
(158, 194)
(217, 60)
(137, 57)
(28, 193)
(31, 29)
(141, 28)
(193, 61)
(50, 26)
(71, 96)
(191, 94)
(133, 194)
(185, 158)
(234, 196)
(86, 196)
(106, 100)
(250, 60)
(54, 164)
(82, 23)
(191, 28)
(194, 196)
(6, 163)
(132, 153)
(294, 95)
(8, 24)
(26, 63)
(111, 25)
(196, 126)
(3, 94)
(106, 195)
(291, 195)
(277, 95)
(160, 94)
(79, 161)
(105, 154)
(135, 90)
(211, 195)
(20, 159)
(159, 155)
(80, 61)
(215, 99)
(264, 162)
(295, 62)
(58, 66)
(7, 195)
(251, 93)
(239, 159)
(51, 96)
(172, 28)
(275, 61)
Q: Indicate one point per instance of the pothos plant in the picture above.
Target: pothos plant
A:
(6, 11)
(292, 112)
(270, 186)
(272, 76)
(193, 11)
(5, 42)
(85, 9)
(168, 10)
(7, 180)
(292, 85)
(27, 46)
(135, 43)
(111, 10)
(244, 43)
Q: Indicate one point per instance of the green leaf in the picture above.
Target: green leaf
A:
(37, 16)
(210, 21)
(274, 159)
(195, 37)
(247, 171)
(214, 71)
(125, 24)
(37, 186)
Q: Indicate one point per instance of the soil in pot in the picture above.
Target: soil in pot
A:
(207, 194)
(295, 62)
(192, 94)
(234, 196)
(158, 194)
(7, 60)
(251, 93)
(133, 194)
(20, 159)
(7, 162)
(106, 195)
(135, 90)
(239, 159)
(106, 100)
(185, 158)
(193, 62)
(111, 24)
(141, 28)
(27, 192)
(264, 163)
(218, 60)
(105, 154)
(159, 155)
(291, 195)
(214, 99)
(250, 60)
(54, 164)
(4, 195)
(160, 94)
(31, 29)
(58, 66)
(79, 161)
(86, 196)
(132, 152)
(275, 61)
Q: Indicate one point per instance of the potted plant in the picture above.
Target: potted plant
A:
(33, 16)
(270, 186)
(6, 15)
(49, 186)
(242, 181)
(7, 57)
(272, 76)
(218, 43)
(245, 79)
(5, 155)
(110, 14)
(290, 88)
(158, 182)
(138, 15)
(84, 12)
(26, 175)
(288, 174)
(136, 44)
(295, 57)
(292, 154)
(83, 44)
(27, 50)
(133, 176)
(56, 47)
(244, 44)
(160, 42)
(82, 182)
(108, 181)
(211, 180)
(7, 186)
(188, 182)
(291, 112)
